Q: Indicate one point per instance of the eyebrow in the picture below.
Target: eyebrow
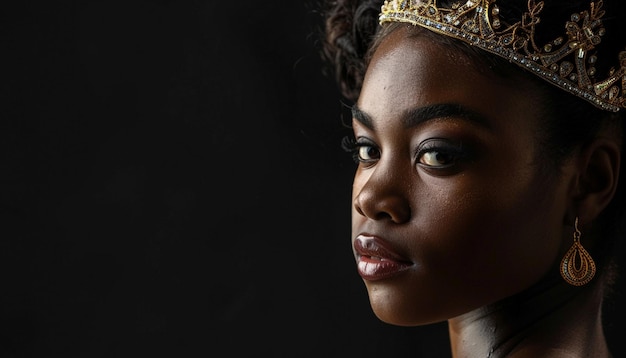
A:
(362, 117)
(417, 116)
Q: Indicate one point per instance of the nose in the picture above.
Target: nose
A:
(383, 197)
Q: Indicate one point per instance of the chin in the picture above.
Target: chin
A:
(393, 309)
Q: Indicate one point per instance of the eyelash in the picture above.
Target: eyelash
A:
(348, 144)
(353, 146)
(457, 152)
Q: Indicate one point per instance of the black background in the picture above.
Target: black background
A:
(173, 185)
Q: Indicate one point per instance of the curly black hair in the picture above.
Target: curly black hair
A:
(350, 30)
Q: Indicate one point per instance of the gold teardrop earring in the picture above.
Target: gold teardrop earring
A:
(577, 266)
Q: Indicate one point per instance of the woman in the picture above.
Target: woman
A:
(488, 137)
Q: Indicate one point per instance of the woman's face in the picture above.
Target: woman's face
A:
(450, 209)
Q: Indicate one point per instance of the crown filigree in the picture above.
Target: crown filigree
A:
(568, 61)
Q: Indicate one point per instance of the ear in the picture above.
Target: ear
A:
(597, 176)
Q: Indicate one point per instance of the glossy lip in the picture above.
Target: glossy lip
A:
(376, 260)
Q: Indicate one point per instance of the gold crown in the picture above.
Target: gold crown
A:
(566, 61)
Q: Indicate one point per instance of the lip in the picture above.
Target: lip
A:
(376, 260)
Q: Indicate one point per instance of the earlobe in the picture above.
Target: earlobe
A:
(598, 174)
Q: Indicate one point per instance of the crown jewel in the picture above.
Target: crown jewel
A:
(567, 61)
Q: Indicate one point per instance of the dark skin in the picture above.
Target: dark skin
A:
(449, 179)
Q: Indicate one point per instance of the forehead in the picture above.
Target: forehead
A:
(410, 70)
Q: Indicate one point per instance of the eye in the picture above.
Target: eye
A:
(440, 154)
(362, 150)
(436, 158)
(367, 153)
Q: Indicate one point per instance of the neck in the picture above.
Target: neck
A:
(549, 320)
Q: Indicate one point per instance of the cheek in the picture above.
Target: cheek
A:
(490, 235)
